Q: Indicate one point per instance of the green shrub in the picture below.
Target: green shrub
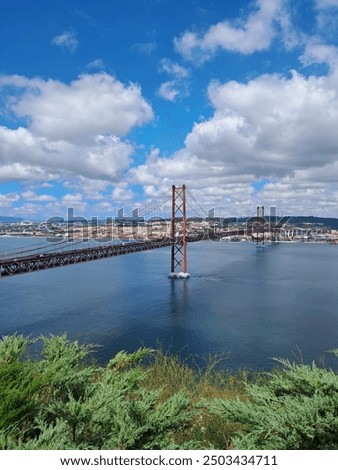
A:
(59, 398)
(59, 401)
(295, 409)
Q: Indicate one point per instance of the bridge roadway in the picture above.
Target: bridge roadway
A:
(36, 262)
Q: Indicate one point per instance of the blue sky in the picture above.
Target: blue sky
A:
(104, 103)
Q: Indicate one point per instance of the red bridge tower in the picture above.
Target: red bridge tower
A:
(178, 233)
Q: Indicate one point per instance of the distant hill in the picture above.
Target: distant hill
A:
(327, 222)
(10, 220)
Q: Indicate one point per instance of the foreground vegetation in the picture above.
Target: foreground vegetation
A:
(57, 397)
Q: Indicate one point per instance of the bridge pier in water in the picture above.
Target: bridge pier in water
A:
(178, 258)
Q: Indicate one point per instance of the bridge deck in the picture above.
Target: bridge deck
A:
(37, 262)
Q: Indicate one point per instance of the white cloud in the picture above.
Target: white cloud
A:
(93, 189)
(173, 68)
(31, 196)
(74, 201)
(168, 91)
(316, 53)
(327, 20)
(74, 129)
(122, 193)
(255, 33)
(323, 4)
(105, 208)
(271, 128)
(96, 64)
(28, 210)
(91, 105)
(179, 85)
(67, 40)
(296, 197)
(32, 157)
(18, 171)
(275, 125)
(6, 200)
(146, 48)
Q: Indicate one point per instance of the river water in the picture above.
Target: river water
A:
(248, 304)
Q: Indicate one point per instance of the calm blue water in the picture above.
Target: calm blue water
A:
(253, 304)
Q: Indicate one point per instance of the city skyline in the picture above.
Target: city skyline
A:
(105, 104)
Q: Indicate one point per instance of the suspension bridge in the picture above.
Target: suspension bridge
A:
(177, 199)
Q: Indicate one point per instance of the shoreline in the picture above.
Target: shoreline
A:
(126, 240)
